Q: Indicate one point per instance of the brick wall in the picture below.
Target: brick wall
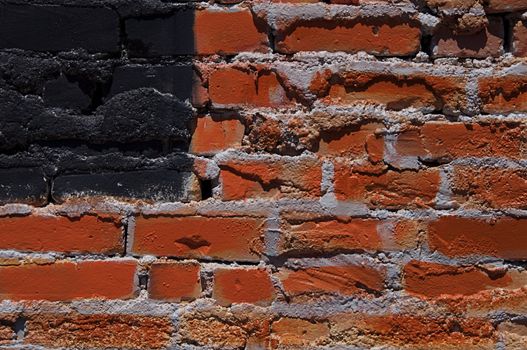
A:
(279, 174)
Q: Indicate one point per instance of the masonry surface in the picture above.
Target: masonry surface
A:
(279, 174)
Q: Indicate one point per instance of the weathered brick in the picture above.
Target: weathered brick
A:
(98, 331)
(23, 185)
(86, 234)
(435, 280)
(297, 332)
(505, 5)
(229, 31)
(324, 236)
(174, 281)
(441, 140)
(242, 286)
(216, 134)
(253, 178)
(353, 143)
(519, 38)
(395, 91)
(490, 187)
(391, 189)
(456, 237)
(59, 28)
(66, 280)
(221, 328)
(400, 38)
(340, 280)
(487, 42)
(413, 331)
(163, 184)
(236, 87)
(503, 94)
(199, 237)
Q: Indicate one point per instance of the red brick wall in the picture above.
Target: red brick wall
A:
(352, 175)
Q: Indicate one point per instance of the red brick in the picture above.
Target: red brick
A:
(296, 332)
(505, 5)
(519, 38)
(455, 140)
(225, 328)
(503, 94)
(341, 280)
(490, 187)
(502, 238)
(399, 38)
(410, 331)
(98, 331)
(487, 42)
(174, 281)
(199, 237)
(395, 91)
(435, 280)
(353, 143)
(238, 87)
(322, 236)
(213, 135)
(86, 234)
(253, 178)
(228, 31)
(67, 280)
(326, 236)
(242, 286)
(389, 188)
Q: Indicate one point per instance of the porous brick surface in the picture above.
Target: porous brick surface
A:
(263, 174)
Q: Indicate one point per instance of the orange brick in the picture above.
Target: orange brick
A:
(67, 280)
(394, 91)
(200, 237)
(342, 280)
(354, 143)
(387, 189)
(436, 280)
(504, 94)
(502, 238)
(174, 281)
(238, 87)
(490, 187)
(456, 140)
(253, 178)
(411, 331)
(214, 135)
(86, 234)
(326, 236)
(400, 38)
(242, 286)
(296, 332)
(228, 31)
(98, 331)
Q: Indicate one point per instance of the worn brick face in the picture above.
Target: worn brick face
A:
(283, 174)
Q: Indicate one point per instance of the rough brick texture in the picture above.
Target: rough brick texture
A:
(252, 174)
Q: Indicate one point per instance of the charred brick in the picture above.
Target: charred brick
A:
(56, 28)
(155, 185)
(161, 36)
(23, 185)
(174, 79)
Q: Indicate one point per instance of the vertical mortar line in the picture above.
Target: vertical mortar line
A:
(129, 231)
(272, 233)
